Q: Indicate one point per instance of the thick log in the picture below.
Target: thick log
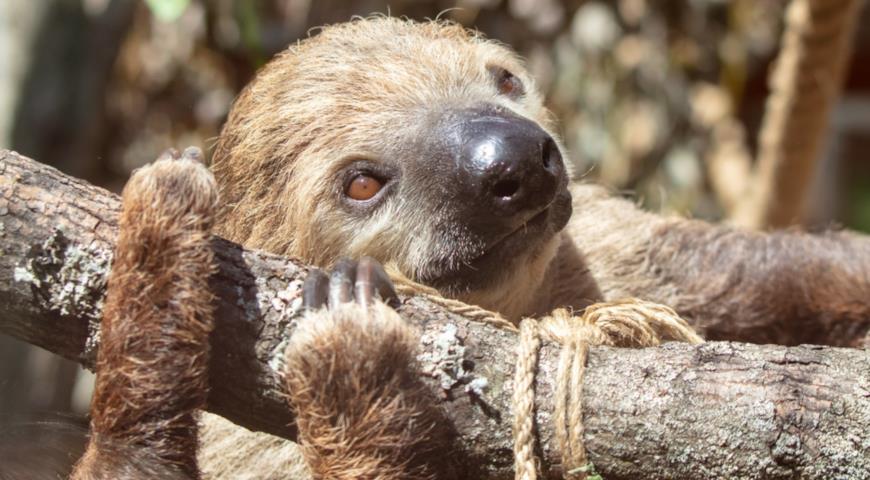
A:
(714, 410)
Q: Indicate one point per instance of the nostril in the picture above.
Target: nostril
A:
(506, 188)
(548, 152)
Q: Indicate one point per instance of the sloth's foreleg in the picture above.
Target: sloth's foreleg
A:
(152, 362)
(361, 412)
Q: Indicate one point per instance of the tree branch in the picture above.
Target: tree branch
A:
(724, 409)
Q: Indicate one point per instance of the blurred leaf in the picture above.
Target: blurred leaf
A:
(167, 10)
(249, 23)
(860, 207)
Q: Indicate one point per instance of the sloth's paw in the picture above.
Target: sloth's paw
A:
(351, 379)
(176, 187)
(350, 333)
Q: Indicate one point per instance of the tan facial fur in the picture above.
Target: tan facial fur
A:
(365, 89)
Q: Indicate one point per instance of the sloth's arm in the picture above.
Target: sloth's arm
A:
(152, 362)
(361, 409)
(782, 287)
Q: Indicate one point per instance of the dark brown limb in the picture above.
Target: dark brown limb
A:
(152, 365)
(715, 410)
(787, 287)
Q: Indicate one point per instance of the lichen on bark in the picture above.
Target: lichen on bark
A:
(68, 278)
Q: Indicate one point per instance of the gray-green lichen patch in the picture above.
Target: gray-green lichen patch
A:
(477, 386)
(443, 359)
(280, 297)
(283, 300)
(276, 362)
(66, 277)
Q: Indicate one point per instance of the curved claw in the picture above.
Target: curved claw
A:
(315, 290)
(363, 281)
(193, 154)
(167, 155)
(341, 282)
(372, 282)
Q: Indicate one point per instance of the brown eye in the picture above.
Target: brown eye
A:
(363, 187)
(507, 83)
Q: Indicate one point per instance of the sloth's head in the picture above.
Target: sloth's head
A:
(422, 145)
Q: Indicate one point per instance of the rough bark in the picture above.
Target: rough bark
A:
(717, 410)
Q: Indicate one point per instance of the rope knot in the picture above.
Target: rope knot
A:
(628, 323)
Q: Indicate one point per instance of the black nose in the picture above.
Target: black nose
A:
(509, 164)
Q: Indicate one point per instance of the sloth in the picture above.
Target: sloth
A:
(428, 148)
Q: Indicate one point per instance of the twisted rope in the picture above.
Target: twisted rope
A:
(625, 323)
(804, 86)
(523, 404)
(407, 287)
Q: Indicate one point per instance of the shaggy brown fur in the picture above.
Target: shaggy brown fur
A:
(371, 417)
(369, 89)
(372, 89)
(785, 287)
(153, 359)
(364, 89)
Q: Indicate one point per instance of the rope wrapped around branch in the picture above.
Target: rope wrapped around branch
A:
(628, 323)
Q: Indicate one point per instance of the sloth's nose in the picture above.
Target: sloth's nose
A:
(510, 165)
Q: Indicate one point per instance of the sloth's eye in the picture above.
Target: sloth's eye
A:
(363, 187)
(507, 83)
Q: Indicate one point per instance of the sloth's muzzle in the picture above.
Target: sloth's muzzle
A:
(508, 169)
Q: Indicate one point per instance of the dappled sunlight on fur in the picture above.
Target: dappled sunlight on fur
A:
(361, 410)
(152, 366)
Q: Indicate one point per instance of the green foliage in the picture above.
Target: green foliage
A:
(859, 206)
(167, 10)
(589, 470)
(249, 24)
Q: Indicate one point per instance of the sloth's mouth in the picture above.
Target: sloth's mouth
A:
(530, 226)
(501, 255)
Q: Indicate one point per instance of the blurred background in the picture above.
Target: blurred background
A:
(662, 99)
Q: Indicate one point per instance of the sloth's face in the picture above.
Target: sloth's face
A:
(419, 144)
(453, 177)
